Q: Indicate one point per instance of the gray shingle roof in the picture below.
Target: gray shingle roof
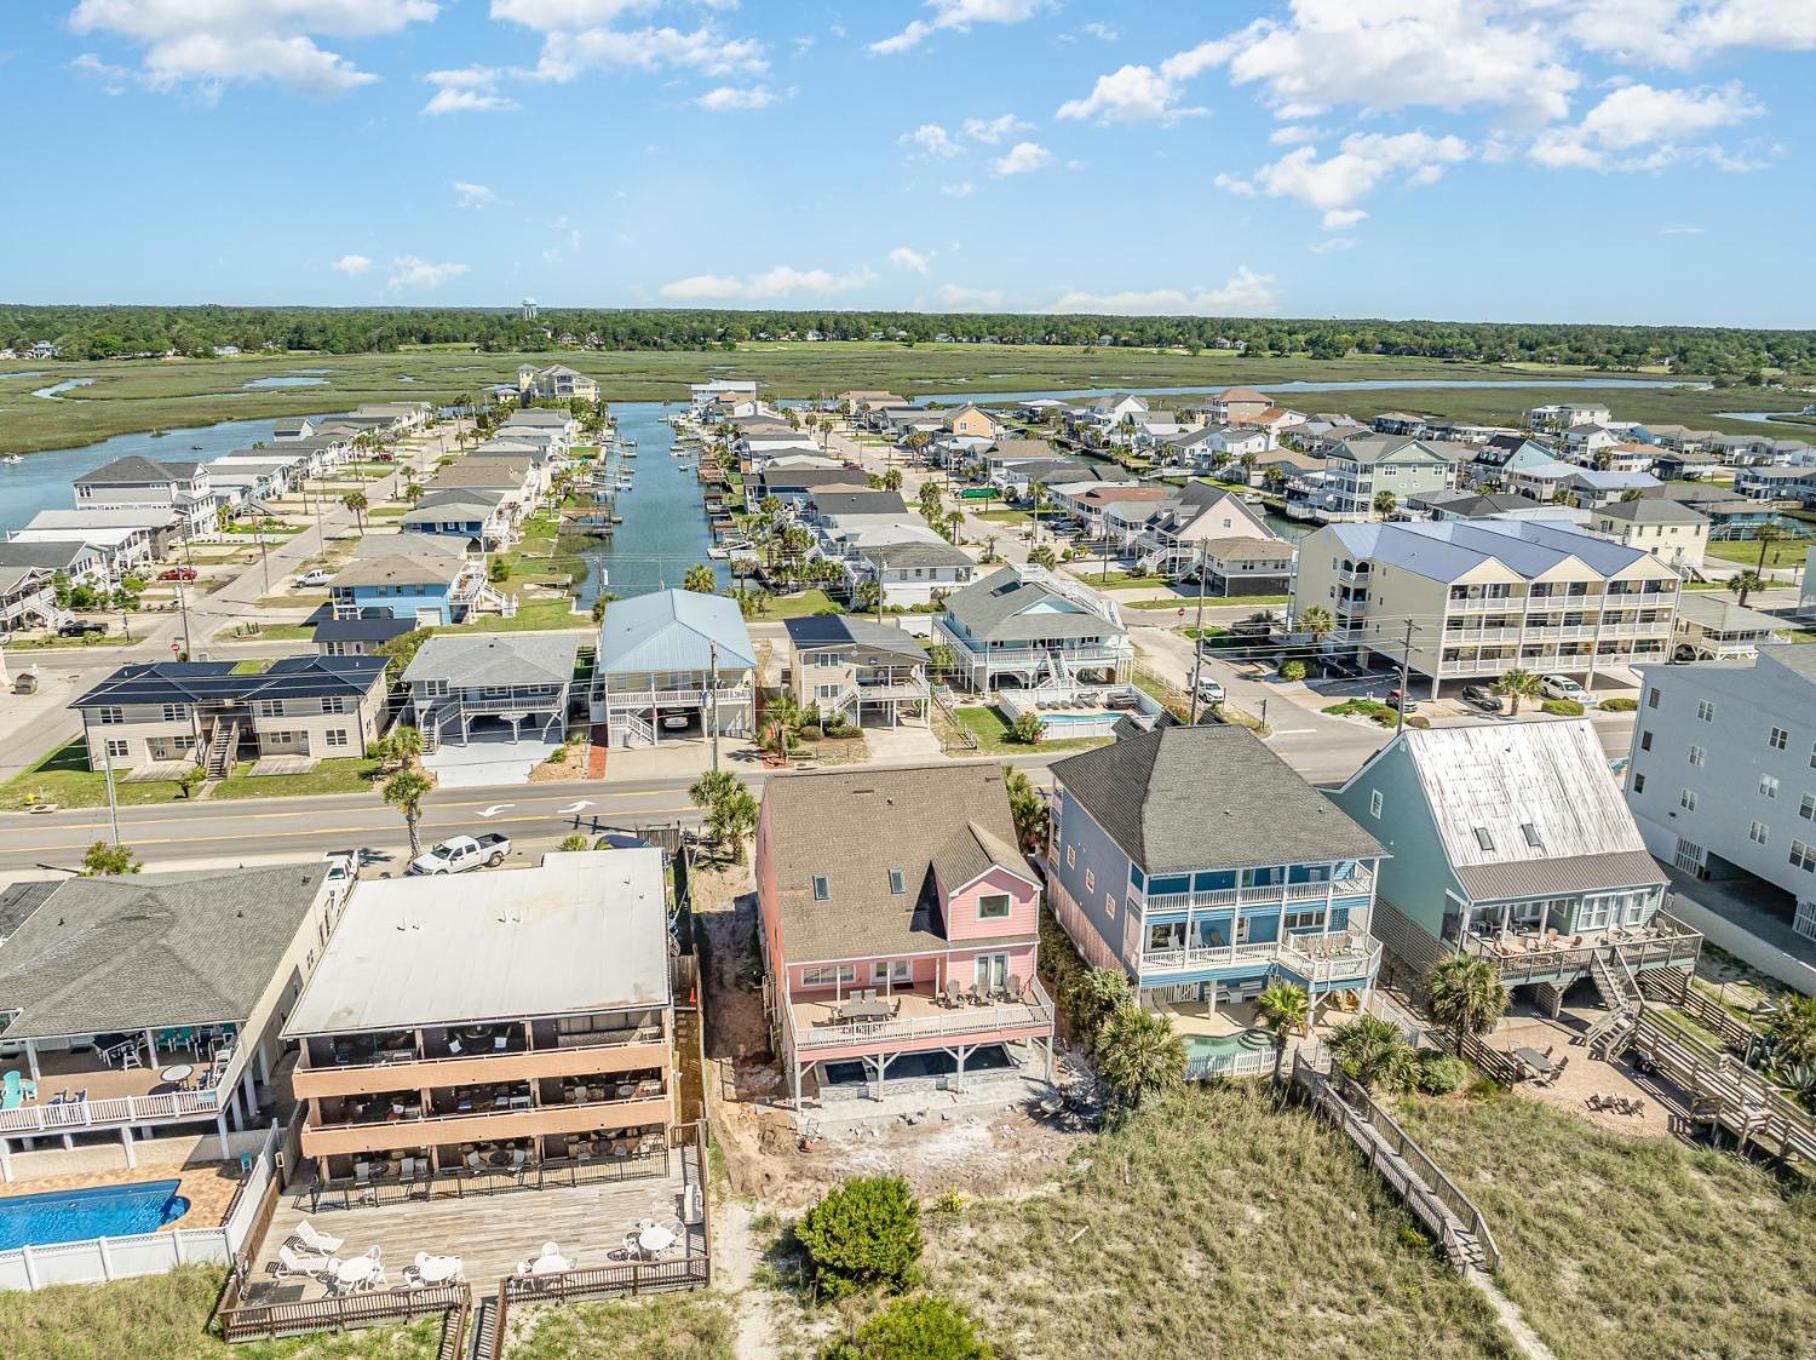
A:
(1653, 510)
(813, 631)
(914, 555)
(495, 659)
(1208, 797)
(1004, 608)
(853, 828)
(153, 950)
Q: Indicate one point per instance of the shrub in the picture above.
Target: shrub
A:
(499, 571)
(865, 1233)
(1027, 729)
(1562, 708)
(1439, 1073)
(1419, 720)
(1618, 705)
(1092, 998)
(1293, 670)
(925, 1328)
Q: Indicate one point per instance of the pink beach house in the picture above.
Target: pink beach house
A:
(900, 924)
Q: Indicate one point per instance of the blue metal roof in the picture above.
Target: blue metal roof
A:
(673, 630)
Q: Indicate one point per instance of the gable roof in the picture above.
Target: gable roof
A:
(400, 567)
(851, 829)
(812, 631)
(149, 951)
(673, 630)
(1497, 778)
(289, 677)
(495, 659)
(136, 468)
(1449, 548)
(1208, 797)
(1009, 606)
(372, 628)
(1654, 510)
(836, 501)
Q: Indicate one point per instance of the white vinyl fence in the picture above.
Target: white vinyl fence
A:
(99, 1259)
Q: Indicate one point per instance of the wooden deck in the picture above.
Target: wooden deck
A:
(490, 1233)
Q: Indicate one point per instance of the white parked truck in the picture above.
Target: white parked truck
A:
(459, 853)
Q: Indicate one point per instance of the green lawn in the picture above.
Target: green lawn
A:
(1113, 579)
(1371, 709)
(1004, 516)
(815, 601)
(164, 1317)
(1213, 1223)
(270, 632)
(353, 775)
(63, 778)
(1783, 552)
(1618, 1246)
(53, 643)
(531, 616)
(993, 738)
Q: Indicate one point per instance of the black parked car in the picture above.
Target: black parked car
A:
(76, 628)
(1482, 697)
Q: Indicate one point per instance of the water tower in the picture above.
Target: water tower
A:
(529, 309)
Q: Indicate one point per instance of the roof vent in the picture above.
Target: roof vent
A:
(1483, 839)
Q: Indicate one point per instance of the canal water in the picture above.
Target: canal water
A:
(665, 529)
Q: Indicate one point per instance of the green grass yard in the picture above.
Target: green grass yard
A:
(993, 737)
(63, 778)
(815, 601)
(667, 1327)
(1783, 552)
(532, 616)
(353, 775)
(1618, 1246)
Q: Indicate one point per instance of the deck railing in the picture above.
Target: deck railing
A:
(77, 1115)
(600, 1039)
(968, 1020)
(339, 1312)
(1359, 958)
(1669, 943)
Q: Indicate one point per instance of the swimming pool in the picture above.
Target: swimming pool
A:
(1066, 719)
(74, 1215)
(1226, 1045)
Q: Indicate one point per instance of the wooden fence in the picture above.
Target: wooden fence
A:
(1673, 986)
(335, 1313)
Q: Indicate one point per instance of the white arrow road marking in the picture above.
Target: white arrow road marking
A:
(581, 806)
(495, 809)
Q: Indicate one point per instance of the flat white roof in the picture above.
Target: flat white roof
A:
(584, 931)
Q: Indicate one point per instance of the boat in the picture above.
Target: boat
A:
(718, 552)
(159, 434)
(13, 460)
(195, 448)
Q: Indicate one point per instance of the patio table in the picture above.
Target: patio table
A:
(865, 1010)
(1534, 1059)
(353, 1273)
(177, 1074)
(655, 1238)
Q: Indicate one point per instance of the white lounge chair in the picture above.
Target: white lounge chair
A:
(300, 1263)
(315, 1240)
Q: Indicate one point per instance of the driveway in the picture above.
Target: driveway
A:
(489, 758)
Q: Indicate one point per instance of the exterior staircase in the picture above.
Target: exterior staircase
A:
(1609, 1036)
(222, 743)
(485, 1329)
(1614, 980)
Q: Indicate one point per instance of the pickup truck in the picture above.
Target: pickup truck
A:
(460, 853)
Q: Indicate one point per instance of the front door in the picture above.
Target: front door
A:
(991, 970)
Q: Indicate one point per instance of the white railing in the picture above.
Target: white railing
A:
(1217, 956)
(1245, 1062)
(96, 1260)
(881, 693)
(1360, 958)
(969, 1020)
(654, 698)
(74, 1116)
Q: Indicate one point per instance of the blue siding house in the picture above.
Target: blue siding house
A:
(428, 590)
(1203, 866)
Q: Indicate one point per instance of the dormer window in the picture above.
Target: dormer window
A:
(1483, 839)
(898, 882)
(1531, 833)
(821, 888)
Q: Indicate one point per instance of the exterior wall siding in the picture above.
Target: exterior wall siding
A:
(961, 908)
(1084, 851)
(1417, 875)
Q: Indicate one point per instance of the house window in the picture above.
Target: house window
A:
(1109, 905)
(1645, 741)
(1071, 857)
(1090, 880)
(1639, 782)
(271, 708)
(892, 971)
(1686, 799)
(1768, 785)
(1803, 856)
(334, 704)
(1652, 697)
(1374, 803)
(1807, 808)
(174, 713)
(118, 748)
(1758, 832)
(111, 715)
(1697, 754)
(821, 889)
(1705, 710)
(1593, 914)
(1483, 840)
(336, 736)
(1779, 739)
(1304, 918)
(994, 907)
(1531, 833)
(831, 975)
(898, 882)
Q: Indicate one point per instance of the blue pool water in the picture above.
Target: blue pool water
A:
(1224, 1045)
(74, 1215)
(1061, 719)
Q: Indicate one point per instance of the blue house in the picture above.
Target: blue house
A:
(473, 515)
(1199, 863)
(430, 589)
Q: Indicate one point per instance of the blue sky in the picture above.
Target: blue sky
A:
(1594, 160)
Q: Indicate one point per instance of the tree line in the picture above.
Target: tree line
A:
(106, 332)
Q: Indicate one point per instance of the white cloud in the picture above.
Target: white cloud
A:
(729, 97)
(1683, 33)
(412, 271)
(1292, 134)
(352, 265)
(472, 195)
(467, 89)
(970, 299)
(930, 139)
(904, 258)
(208, 45)
(1680, 231)
(958, 189)
(1022, 158)
(990, 131)
(579, 36)
(1244, 293)
(959, 15)
(1139, 93)
(1639, 127)
(1102, 32)
(1330, 243)
(1365, 159)
(780, 282)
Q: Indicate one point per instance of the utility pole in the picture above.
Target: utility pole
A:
(113, 804)
(1198, 639)
(712, 697)
(1405, 672)
(264, 558)
(183, 609)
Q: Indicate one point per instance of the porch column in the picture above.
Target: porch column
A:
(151, 1047)
(220, 1133)
(1047, 1061)
(264, 1066)
(31, 1058)
(794, 1065)
(252, 1103)
(6, 1161)
(132, 1157)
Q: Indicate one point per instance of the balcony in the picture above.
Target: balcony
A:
(1334, 957)
(552, 1055)
(675, 698)
(1361, 882)
(1479, 603)
(1459, 637)
(76, 1091)
(816, 1025)
(1527, 955)
(531, 1121)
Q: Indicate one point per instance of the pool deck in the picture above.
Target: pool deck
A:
(208, 1186)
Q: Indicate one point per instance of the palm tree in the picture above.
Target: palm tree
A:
(1515, 685)
(405, 791)
(869, 597)
(1317, 622)
(1465, 993)
(1744, 583)
(700, 580)
(1385, 501)
(1092, 998)
(1766, 535)
(356, 502)
(892, 479)
(1043, 556)
(1028, 809)
(401, 748)
(1139, 1055)
(1285, 1009)
(1374, 1053)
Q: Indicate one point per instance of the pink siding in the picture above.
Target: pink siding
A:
(928, 970)
(960, 911)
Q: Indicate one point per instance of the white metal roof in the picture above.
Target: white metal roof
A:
(584, 931)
